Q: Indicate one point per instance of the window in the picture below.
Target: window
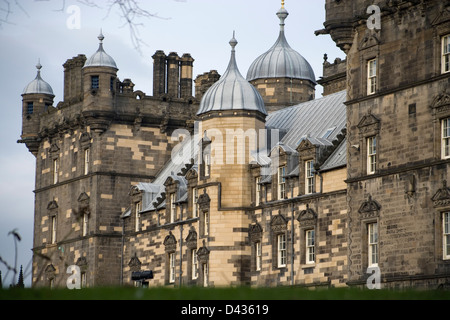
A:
(85, 224)
(258, 255)
(83, 280)
(53, 235)
(281, 241)
(112, 83)
(207, 165)
(446, 138)
(205, 274)
(171, 267)
(309, 177)
(372, 76)
(446, 234)
(258, 191)
(138, 215)
(206, 223)
(310, 249)
(194, 203)
(371, 155)
(194, 264)
(30, 108)
(87, 155)
(446, 54)
(55, 171)
(281, 183)
(95, 82)
(173, 208)
(373, 244)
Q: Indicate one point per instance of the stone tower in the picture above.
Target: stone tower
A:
(90, 149)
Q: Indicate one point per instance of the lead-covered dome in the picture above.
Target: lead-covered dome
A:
(232, 91)
(38, 85)
(100, 58)
(281, 61)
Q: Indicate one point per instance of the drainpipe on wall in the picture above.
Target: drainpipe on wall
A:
(181, 244)
(121, 255)
(292, 243)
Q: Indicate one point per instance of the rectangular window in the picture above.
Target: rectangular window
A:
(282, 254)
(85, 224)
(171, 267)
(53, 238)
(205, 274)
(257, 191)
(446, 54)
(309, 177)
(372, 76)
(310, 247)
(55, 171)
(258, 254)
(173, 208)
(194, 203)
(446, 138)
(373, 244)
(371, 155)
(30, 108)
(281, 183)
(87, 156)
(138, 216)
(194, 264)
(95, 82)
(446, 234)
(207, 165)
(206, 223)
(83, 280)
(112, 83)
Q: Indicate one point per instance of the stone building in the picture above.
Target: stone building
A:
(266, 185)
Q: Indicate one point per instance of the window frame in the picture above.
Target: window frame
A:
(205, 273)
(372, 154)
(281, 183)
(85, 224)
(173, 208)
(446, 235)
(258, 255)
(87, 159)
(30, 108)
(257, 191)
(445, 139)
(195, 207)
(309, 177)
(95, 82)
(206, 223)
(55, 171)
(137, 208)
(281, 250)
(372, 76)
(172, 267)
(310, 250)
(194, 264)
(372, 244)
(53, 226)
(445, 56)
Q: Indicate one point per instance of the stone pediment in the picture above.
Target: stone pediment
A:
(441, 103)
(53, 205)
(54, 148)
(278, 223)
(369, 208)
(204, 201)
(191, 174)
(368, 120)
(191, 239)
(255, 232)
(170, 242)
(135, 264)
(443, 17)
(307, 217)
(203, 253)
(442, 196)
(305, 144)
(368, 41)
(83, 197)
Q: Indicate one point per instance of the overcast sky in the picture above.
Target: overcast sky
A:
(203, 28)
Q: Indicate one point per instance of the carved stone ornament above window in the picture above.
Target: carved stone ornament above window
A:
(255, 232)
(135, 264)
(83, 203)
(369, 40)
(307, 217)
(170, 243)
(278, 223)
(50, 272)
(191, 240)
(54, 149)
(441, 103)
(370, 208)
(82, 263)
(369, 125)
(52, 206)
(442, 196)
(85, 140)
(203, 253)
(204, 201)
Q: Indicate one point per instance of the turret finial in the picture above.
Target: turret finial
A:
(101, 37)
(39, 66)
(233, 42)
(282, 4)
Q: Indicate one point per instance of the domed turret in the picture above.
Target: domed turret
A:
(232, 91)
(100, 58)
(282, 75)
(38, 85)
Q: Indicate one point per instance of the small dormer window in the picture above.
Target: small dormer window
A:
(173, 208)
(95, 82)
